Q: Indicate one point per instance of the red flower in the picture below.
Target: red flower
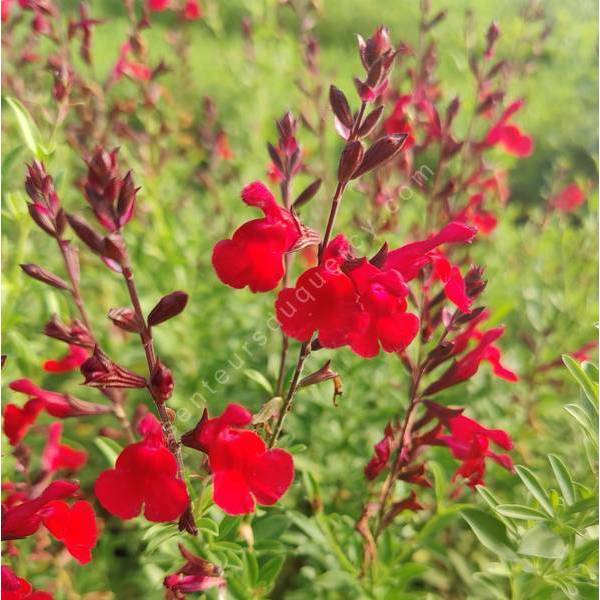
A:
(510, 137)
(59, 456)
(17, 588)
(71, 361)
(57, 405)
(74, 526)
(470, 442)
(398, 121)
(145, 475)
(383, 450)
(158, 5)
(473, 213)
(129, 68)
(17, 421)
(468, 365)
(383, 318)
(568, 199)
(192, 10)
(324, 300)
(253, 257)
(197, 575)
(244, 470)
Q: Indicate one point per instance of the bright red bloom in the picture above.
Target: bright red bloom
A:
(383, 319)
(17, 588)
(192, 10)
(74, 526)
(71, 361)
(509, 136)
(17, 420)
(470, 442)
(583, 353)
(253, 257)
(197, 575)
(468, 365)
(59, 456)
(245, 471)
(383, 451)
(454, 284)
(324, 300)
(476, 215)
(145, 475)
(57, 405)
(569, 198)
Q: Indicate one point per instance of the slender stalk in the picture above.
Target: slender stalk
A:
(305, 348)
(111, 394)
(148, 344)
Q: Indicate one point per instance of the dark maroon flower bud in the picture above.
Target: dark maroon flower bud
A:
(86, 234)
(474, 281)
(452, 110)
(495, 69)
(191, 439)
(325, 373)
(126, 201)
(75, 333)
(100, 371)
(45, 207)
(379, 259)
(370, 122)
(287, 127)
(168, 306)
(307, 194)
(409, 503)
(45, 276)
(466, 318)
(351, 158)
(115, 248)
(274, 154)
(493, 33)
(187, 522)
(384, 149)
(375, 47)
(40, 215)
(340, 106)
(451, 146)
(162, 382)
(438, 355)
(125, 319)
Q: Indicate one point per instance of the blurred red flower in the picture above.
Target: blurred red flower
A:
(509, 136)
(17, 421)
(568, 199)
(17, 588)
(145, 475)
(197, 575)
(71, 361)
(192, 10)
(59, 456)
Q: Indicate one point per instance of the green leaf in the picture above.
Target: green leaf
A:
(109, 448)
(490, 532)
(260, 379)
(270, 570)
(563, 478)
(518, 511)
(542, 542)
(535, 488)
(29, 131)
(439, 484)
(207, 526)
(590, 389)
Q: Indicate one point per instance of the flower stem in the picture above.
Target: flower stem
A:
(111, 394)
(148, 344)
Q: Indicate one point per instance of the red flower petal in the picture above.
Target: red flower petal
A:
(71, 361)
(165, 498)
(232, 492)
(17, 421)
(120, 492)
(271, 476)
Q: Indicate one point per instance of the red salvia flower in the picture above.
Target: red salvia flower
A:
(245, 472)
(470, 442)
(398, 121)
(383, 450)
(468, 365)
(197, 575)
(192, 10)
(568, 199)
(58, 405)
(145, 475)
(222, 146)
(253, 257)
(509, 136)
(383, 319)
(476, 215)
(59, 456)
(130, 68)
(324, 300)
(71, 361)
(17, 421)
(75, 526)
(17, 588)
(158, 5)
(454, 285)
